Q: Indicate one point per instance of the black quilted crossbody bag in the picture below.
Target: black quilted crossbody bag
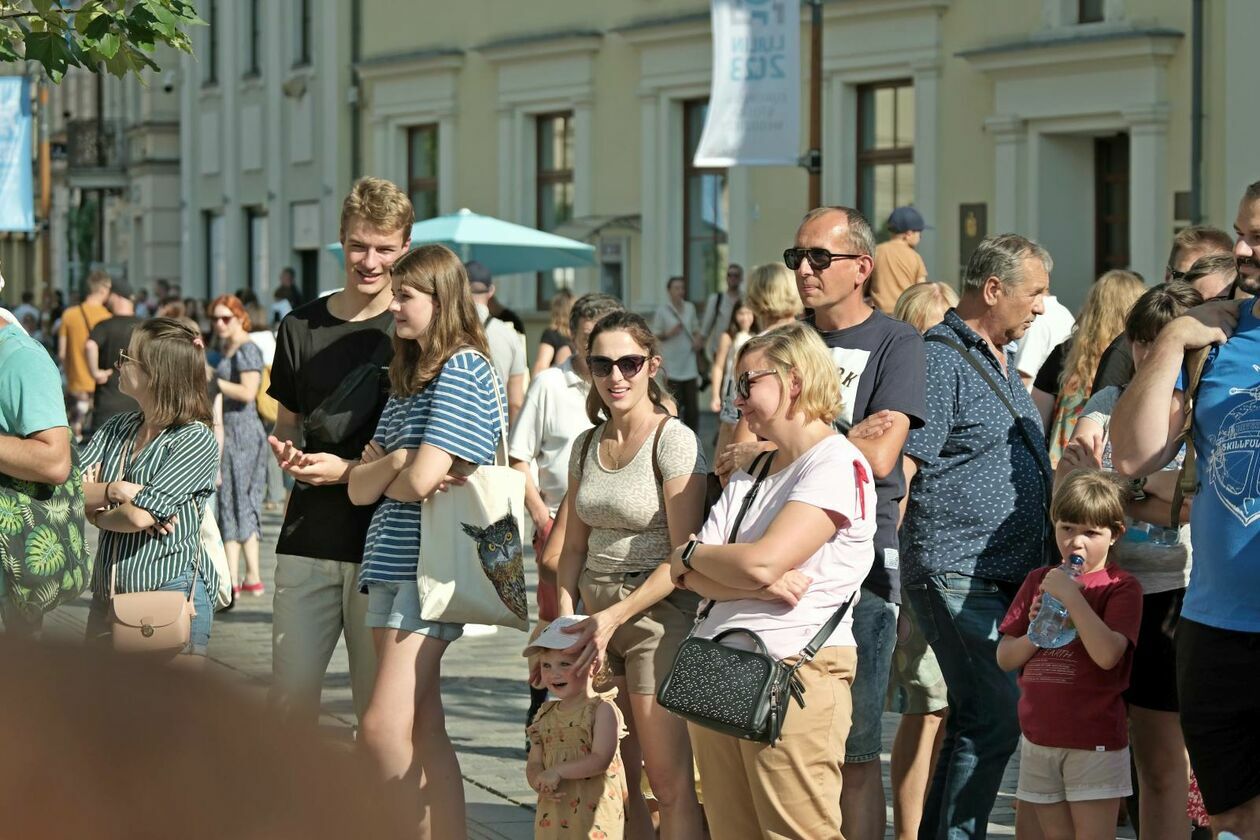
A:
(738, 692)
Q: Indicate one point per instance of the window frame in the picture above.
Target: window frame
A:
(1083, 16)
(690, 170)
(544, 179)
(869, 158)
(212, 44)
(303, 34)
(253, 40)
(426, 184)
(255, 247)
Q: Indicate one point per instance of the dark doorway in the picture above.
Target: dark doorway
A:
(1111, 203)
(308, 274)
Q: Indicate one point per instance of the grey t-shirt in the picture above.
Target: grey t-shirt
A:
(625, 508)
(1159, 568)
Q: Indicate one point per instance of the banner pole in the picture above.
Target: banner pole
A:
(45, 190)
(815, 104)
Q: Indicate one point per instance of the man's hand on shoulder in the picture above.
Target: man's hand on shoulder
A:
(1209, 323)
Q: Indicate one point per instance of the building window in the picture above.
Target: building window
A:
(253, 39)
(212, 42)
(553, 173)
(422, 170)
(216, 259)
(302, 42)
(885, 158)
(257, 252)
(1090, 11)
(1111, 203)
(706, 211)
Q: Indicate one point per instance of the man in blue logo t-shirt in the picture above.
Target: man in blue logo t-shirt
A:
(1218, 637)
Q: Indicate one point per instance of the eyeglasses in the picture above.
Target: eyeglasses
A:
(124, 359)
(629, 366)
(222, 319)
(1174, 274)
(819, 258)
(743, 385)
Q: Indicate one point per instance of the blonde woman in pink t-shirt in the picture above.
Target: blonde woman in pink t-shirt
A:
(802, 550)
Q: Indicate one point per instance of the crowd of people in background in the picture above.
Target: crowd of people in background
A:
(922, 469)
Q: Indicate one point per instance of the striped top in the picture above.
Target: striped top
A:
(459, 413)
(177, 470)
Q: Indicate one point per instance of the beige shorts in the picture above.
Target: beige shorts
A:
(754, 791)
(641, 650)
(1051, 774)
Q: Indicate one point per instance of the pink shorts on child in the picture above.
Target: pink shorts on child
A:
(1051, 774)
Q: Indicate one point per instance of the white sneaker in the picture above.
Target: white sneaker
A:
(480, 629)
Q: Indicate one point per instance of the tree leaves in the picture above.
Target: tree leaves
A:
(118, 36)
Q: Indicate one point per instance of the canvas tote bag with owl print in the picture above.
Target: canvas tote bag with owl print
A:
(472, 568)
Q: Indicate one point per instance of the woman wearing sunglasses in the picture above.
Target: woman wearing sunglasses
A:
(152, 473)
(238, 377)
(636, 489)
(803, 548)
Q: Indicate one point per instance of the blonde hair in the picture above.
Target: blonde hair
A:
(1101, 320)
(1090, 497)
(434, 270)
(381, 204)
(561, 306)
(924, 305)
(772, 293)
(798, 347)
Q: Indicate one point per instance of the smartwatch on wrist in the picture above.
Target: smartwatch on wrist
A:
(687, 552)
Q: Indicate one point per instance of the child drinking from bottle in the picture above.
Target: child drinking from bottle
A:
(1074, 753)
(574, 761)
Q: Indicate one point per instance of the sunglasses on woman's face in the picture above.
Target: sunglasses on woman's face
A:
(819, 258)
(629, 366)
(743, 385)
(223, 319)
(124, 359)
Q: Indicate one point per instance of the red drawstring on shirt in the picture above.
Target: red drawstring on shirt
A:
(860, 478)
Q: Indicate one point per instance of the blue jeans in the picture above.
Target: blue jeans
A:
(875, 630)
(959, 616)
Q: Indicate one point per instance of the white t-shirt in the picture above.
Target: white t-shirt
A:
(553, 416)
(677, 352)
(279, 310)
(1047, 332)
(506, 350)
(266, 343)
(834, 476)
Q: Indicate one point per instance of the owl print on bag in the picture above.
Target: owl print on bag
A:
(502, 559)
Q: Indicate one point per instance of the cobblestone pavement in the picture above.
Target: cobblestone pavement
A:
(483, 687)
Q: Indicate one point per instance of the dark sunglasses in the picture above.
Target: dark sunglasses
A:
(222, 319)
(743, 385)
(629, 366)
(1174, 274)
(124, 359)
(819, 258)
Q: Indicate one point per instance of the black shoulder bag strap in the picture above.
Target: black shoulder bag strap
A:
(984, 374)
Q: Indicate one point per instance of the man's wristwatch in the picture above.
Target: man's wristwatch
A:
(687, 552)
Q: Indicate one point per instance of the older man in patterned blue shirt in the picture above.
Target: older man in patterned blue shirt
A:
(976, 522)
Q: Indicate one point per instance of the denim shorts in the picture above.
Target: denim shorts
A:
(98, 625)
(396, 606)
(875, 630)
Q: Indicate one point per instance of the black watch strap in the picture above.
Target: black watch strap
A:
(689, 550)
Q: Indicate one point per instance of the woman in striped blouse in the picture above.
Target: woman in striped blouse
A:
(151, 474)
(444, 417)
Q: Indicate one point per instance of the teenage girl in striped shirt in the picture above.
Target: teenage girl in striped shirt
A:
(443, 415)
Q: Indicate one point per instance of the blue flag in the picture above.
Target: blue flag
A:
(17, 204)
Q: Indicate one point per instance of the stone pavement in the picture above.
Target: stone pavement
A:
(483, 688)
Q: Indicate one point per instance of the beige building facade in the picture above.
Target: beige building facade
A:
(1066, 120)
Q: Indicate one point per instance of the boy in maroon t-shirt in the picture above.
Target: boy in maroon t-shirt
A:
(1074, 756)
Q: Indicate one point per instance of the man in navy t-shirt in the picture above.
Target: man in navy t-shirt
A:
(1218, 636)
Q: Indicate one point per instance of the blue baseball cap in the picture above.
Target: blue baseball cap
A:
(906, 218)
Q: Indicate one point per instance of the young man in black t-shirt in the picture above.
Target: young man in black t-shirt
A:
(321, 429)
(106, 342)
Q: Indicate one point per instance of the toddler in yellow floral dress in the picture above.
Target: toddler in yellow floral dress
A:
(574, 757)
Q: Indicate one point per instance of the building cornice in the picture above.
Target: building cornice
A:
(877, 8)
(1058, 51)
(410, 63)
(541, 45)
(656, 30)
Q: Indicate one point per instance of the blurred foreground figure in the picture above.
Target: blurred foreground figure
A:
(109, 747)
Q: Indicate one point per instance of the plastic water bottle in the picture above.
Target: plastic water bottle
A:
(1052, 628)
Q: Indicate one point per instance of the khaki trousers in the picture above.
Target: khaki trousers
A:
(316, 602)
(790, 791)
